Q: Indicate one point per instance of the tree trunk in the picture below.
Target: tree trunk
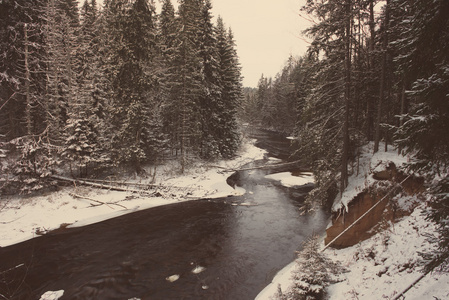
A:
(27, 85)
(403, 104)
(382, 78)
(370, 103)
(345, 154)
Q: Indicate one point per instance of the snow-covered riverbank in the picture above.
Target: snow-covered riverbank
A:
(22, 218)
(387, 263)
(380, 267)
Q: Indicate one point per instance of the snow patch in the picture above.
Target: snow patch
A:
(52, 295)
(172, 278)
(283, 279)
(388, 262)
(289, 180)
(380, 267)
(198, 270)
(367, 165)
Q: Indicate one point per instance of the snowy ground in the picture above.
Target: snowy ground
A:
(22, 218)
(380, 267)
(368, 164)
(387, 263)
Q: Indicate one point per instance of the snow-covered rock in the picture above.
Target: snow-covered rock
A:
(52, 295)
(287, 179)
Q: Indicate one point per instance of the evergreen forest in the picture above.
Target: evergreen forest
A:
(118, 86)
(375, 71)
(94, 89)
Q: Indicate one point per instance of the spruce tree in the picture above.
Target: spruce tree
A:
(231, 95)
(423, 57)
(315, 271)
(185, 81)
(21, 68)
(423, 130)
(131, 35)
(329, 103)
(61, 41)
(168, 43)
(84, 140)
(211, 90)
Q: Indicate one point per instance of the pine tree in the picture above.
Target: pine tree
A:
(61, 46)
(47, 83)
(131, 34)
(423, 58)
(264, 100)
(315, 272)
(168, 43)
(319, 132)
(231, 91)
(185, 82)
(167, 30)
(211, 90)
(383, 78)
(424, 127)
(285, 98)
(21, 68)
(331, 100)
(84, 131)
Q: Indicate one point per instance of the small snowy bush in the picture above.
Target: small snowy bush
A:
(315, 271)
(438, 212)
(29, 167)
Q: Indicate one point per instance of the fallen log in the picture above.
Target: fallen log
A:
(97, 201)
(120, 182)
(153, 192)
(98, 185)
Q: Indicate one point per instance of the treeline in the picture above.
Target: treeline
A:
(121, 85)
(376, 71)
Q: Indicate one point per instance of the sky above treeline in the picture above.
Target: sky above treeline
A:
(266, 32)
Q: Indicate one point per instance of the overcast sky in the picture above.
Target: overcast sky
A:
(266, 32)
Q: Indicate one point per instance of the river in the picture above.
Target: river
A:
(227, 248)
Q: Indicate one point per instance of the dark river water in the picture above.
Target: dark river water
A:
(227, 248)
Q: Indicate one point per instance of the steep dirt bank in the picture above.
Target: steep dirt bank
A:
(388, 183)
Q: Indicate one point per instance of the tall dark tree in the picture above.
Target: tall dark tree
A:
(423, 57)
(383, 78)
(61, 42)
(231, 92)
(186, 77)
(131, 35)
(211, 89)
(168, 45)
(21, 67)
(84, 132)
(332, 36)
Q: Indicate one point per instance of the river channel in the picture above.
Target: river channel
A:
(228, 248)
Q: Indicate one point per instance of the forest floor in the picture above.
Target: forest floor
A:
(388, 262)
(25, 217)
